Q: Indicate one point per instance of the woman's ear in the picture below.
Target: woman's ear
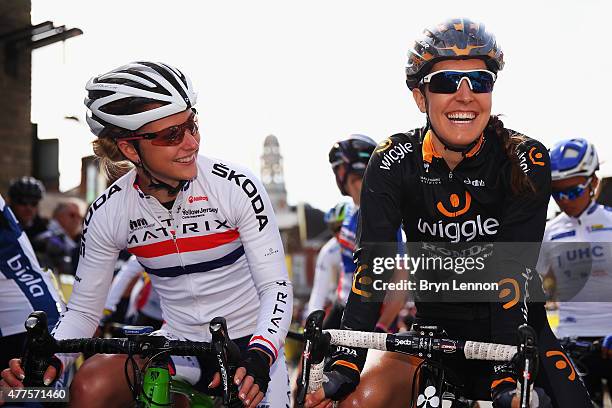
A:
(419, 98)
(129, 151)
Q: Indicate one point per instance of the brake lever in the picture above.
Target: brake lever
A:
(313, 352)
(528, 353)
(38, 349)
(227, 354)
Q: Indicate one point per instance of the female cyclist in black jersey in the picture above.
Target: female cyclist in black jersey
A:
(463, 178)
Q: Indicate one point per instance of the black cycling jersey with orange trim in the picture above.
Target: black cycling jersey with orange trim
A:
(408, 183)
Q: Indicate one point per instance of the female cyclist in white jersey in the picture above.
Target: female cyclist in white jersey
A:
(202, 228)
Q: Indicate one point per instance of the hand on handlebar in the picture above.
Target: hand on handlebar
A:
(341, 381)
(252, 377)
(508, 397)
(13, 376)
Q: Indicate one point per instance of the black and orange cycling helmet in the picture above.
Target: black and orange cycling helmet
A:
(457, 38)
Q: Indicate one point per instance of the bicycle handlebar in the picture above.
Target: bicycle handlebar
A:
(425, 342)
(421, 345)
(41, 346)
(142, 347)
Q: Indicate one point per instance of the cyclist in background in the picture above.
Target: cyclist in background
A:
(24, 195)
(24, 288)
(143, 307)
(577, 253)
(203, 229)
(464, 167)
(329, 262)
(349, 158)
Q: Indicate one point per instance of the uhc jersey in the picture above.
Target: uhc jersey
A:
(578, 252)
(217, 252)
(24, 287)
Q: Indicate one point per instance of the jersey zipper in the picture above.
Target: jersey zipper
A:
(173, 232)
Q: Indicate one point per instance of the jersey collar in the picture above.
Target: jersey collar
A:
(429, 150)
(592, 208)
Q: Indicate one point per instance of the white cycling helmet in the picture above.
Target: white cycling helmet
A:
(144, 81)
(573, 157)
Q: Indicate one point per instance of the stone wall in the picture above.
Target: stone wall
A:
(15, 83)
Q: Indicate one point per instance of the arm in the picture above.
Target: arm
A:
(379, 221)
(545, 269)
(522, 222)
(265, 255)
(394, 300)
(328, 257)
(514, 260)
(130, 270)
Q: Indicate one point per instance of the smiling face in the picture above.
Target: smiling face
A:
(458, 118)
(170, 164)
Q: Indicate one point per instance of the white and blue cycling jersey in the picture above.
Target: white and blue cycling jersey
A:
(328, 269)
(24, 286)
(346, 240)
(216, 252)
(578, 252)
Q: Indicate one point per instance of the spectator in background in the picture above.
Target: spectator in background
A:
(24, 196)
(58, 245)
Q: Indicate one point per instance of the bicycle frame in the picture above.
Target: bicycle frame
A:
(158, 387)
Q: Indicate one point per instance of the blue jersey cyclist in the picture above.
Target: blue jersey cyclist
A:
(24, 288)
(349, 158)
(202, 228)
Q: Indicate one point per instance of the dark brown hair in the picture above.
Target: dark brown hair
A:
(519, 181)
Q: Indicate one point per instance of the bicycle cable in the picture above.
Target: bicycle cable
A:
(133, 387)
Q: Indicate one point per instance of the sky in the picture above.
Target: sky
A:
(312, 73)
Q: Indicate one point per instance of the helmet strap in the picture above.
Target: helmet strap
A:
(154, 182)
(341, 181)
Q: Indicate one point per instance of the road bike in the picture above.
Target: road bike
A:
(429, 343)
(153, 385)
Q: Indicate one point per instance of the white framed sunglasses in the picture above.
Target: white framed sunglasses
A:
(448, 81)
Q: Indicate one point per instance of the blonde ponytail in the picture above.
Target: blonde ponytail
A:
(112, 161)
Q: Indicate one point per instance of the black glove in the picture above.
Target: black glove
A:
(342, 373)
(502, 392)
(502, 397)
(257, 366)
(340, 382)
